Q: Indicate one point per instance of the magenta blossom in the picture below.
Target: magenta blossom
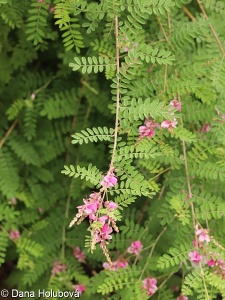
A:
(13, 201)
(195, 256)
(51, 9)
(90, 206)
(176, 104)
(110, 205)
(203, 235)
(169, 124)
(135, 248)
(79, 254)
(118, 264)
(148, 129)
(103, 219)
(58, 267)
(109, 180)
(105, 232)
(195, 244)
(14, 234)
(149, 284)
(181, 297)
(79, 288)
(211, 263)
(204, 128)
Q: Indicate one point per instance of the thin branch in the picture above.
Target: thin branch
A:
(117, 92)
(169, 25)
(212, 29)
(153, 247)
(164, 33)
(188, 13)
(8, 133)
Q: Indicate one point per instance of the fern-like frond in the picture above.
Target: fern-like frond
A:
(93, 135)
(91, 173)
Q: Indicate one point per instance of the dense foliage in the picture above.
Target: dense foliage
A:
(113, 117)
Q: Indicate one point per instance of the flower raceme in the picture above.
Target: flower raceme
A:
(148, 129)
(79, 288)
(101, 216)
(79, 254)
(175, 104)
(109, 180)
(135, 248)
(118, 264)
(14, 234)
(58, 267)
(195, 256)
(169, 124)
(181, 297)
(203, 235)
(149, 284)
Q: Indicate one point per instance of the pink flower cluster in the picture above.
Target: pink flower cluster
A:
(195, 256)
(13, 201)
(202, 235)
(175, 104)
(118, 264)
(90, 206)
(169, 124)
(109, 180)
(148, 129)
(135, 248)
(204, 128)
(79, 288)
(219, 264)
(58, 267)
(14, 234)
(102, 234)
(202, 239)
(181, 297)
(79, 254)
(149, 284)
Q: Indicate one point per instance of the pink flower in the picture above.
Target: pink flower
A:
(13, 201)
(79, 288)
(195, 256)
(135, 248)
(33, 96)
(118, 264)
(14, 234)
(176, 104)
(181, 297)
(147, 130)
(111, 205)
(79, 254)
(51, 9)
(40, 209)
(58, 267)
(220, 264)
(109, 180)
(103, 219)
(169, 124)
(195, 244)
(90, 206)
(205, 128)
(211, 263)
(105, 232)
(203, 235)
(149, 284)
